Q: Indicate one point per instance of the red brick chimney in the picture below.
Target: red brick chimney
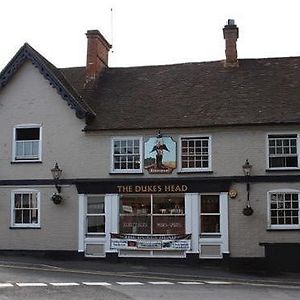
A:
(231, 34)
(97, 54)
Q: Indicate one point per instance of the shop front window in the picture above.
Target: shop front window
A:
(152, 214)
(210, 214)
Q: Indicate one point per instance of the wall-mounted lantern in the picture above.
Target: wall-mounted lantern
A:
(247, 211)
(56, 173)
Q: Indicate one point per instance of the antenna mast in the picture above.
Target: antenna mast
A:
(112, 29)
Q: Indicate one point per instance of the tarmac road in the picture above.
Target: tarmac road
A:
(39, 278)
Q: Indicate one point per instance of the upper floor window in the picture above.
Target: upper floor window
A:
(283, 151)
(127, 155)
(25, 208)
(27, 143)
(95, 215)
(195, 154)
(283, 209)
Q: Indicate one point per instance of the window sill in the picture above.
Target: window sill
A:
(283, 229)
(28, 227)
(283, 170)
(127, 173)
(195, 172)
(26, 162)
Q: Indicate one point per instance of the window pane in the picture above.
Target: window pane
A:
(168, 224)
(210, 204)
(95, 224)
(24, 134)
(18, 216)
(210, 224)
(137, 224)
(137, 205)
(26, 216)
(168, 204)
(95, 205)
(34, 216)
(18, 200)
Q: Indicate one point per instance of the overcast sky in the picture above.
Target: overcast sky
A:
(149, 32)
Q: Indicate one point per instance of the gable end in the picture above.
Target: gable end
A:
(50, 73)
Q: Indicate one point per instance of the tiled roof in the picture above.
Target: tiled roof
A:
(259, 91)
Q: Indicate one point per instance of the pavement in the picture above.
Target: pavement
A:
(151, 269)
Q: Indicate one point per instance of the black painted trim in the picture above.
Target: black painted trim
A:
(125, 180)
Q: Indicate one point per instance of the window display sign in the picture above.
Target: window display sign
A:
(150, 242)
(160, 155)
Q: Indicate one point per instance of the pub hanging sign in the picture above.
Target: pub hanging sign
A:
(160, 155)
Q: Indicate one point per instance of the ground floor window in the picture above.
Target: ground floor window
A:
(152, 214)
(25, 206)
(95, 215)
(209, 214)
(284, 209)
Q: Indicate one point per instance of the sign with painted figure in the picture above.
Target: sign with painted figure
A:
(160, 155)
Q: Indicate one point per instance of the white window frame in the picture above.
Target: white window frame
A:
(219, 214)
(282, 226)
(126, 138)
(187, 170)
(92, 234)
(14, 147)
(12, 202)
(268, 152)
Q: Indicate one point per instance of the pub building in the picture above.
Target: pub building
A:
(187, 160)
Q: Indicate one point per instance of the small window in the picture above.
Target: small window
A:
(195, 153)
(209, 214)
(27, 143)
(127, 155)
(95, 215)
(25, 209)
(283, 209)
(283, 151)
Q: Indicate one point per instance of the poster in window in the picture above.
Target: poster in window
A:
(160, 155)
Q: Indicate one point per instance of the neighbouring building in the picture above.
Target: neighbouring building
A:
(191, 159)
